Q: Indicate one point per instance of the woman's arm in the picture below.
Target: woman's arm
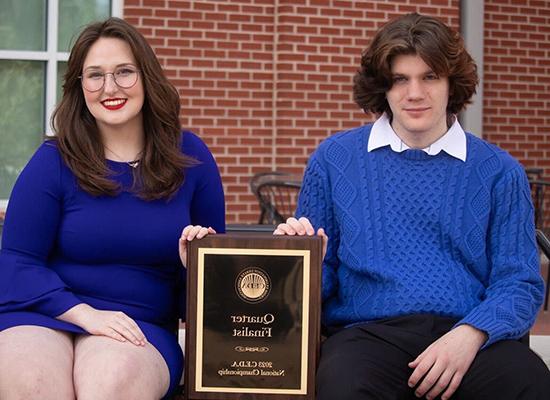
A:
(30, 232)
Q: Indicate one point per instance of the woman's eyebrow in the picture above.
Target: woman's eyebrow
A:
(117, 66)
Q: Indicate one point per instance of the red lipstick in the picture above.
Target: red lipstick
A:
(113, 104)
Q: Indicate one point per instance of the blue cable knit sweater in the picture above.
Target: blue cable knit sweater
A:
(412, 233)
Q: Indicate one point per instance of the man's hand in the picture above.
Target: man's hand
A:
(301, 227)
(441, 367)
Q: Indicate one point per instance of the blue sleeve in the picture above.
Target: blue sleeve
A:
(208, 204)
(315, 203)
(515, 290)
(30, 230)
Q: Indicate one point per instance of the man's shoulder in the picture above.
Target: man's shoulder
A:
(348, 139)
(488, 157)
(340, 148)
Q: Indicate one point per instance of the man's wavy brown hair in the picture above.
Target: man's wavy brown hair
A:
(441, 48)
(161, 169)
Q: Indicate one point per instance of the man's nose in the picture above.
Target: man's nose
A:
(415, 89)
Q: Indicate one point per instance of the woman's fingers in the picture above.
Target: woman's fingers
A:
(117, 325)
(112, 333)
(189, 233)
(128, 328)
(186, 231)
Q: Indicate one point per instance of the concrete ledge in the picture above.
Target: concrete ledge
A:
(540, 344)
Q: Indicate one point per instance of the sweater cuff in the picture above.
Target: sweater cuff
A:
(480, 320)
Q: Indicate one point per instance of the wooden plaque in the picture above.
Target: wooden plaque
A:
(253, 317)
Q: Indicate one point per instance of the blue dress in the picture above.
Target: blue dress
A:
(61, 247)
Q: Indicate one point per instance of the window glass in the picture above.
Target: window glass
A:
(21, 125)
(75, 14)
(61, 69)
(23, 25)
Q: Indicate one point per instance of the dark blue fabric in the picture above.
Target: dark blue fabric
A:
(62, 246)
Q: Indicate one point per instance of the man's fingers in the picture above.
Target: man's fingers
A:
(293, 226)
(307, 226)
(429, 379)
(284, 229)
(441, 384)
(419, 371)
(453, 386)
(300, 226)
(321, 232)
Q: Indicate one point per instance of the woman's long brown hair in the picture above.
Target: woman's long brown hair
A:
(161, 168)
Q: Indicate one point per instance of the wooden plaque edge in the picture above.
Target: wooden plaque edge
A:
(312, 243)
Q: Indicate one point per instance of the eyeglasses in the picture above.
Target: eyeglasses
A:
(124, 77)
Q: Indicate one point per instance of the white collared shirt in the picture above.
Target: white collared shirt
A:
(453, 142)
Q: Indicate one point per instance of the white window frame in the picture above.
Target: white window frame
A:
(51, 57)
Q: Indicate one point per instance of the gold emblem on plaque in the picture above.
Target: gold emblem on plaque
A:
(253, 285)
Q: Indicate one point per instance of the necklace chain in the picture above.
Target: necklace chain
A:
(133, 163)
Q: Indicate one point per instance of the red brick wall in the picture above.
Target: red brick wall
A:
(264, 81)
(517, 79)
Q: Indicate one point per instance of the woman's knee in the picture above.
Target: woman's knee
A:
(35, 362)
(118, 370)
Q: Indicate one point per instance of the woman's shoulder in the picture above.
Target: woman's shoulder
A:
(46, 158)
(192, 145)
(44, 169)
(48, 150)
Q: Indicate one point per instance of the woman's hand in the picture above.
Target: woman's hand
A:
(113, 324)
(189, 233)
(301, 227)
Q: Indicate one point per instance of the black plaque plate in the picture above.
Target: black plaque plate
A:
(253, 315)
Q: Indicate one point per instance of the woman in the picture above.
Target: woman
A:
(90, 279)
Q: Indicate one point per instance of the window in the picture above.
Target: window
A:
(35, 39)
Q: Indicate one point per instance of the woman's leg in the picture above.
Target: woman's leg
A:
(107, 369)
(36, 363)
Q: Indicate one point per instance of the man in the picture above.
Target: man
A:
(431, 270)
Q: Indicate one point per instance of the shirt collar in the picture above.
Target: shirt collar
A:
(453, 142)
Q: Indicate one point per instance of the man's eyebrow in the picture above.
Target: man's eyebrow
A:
(426, 72)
